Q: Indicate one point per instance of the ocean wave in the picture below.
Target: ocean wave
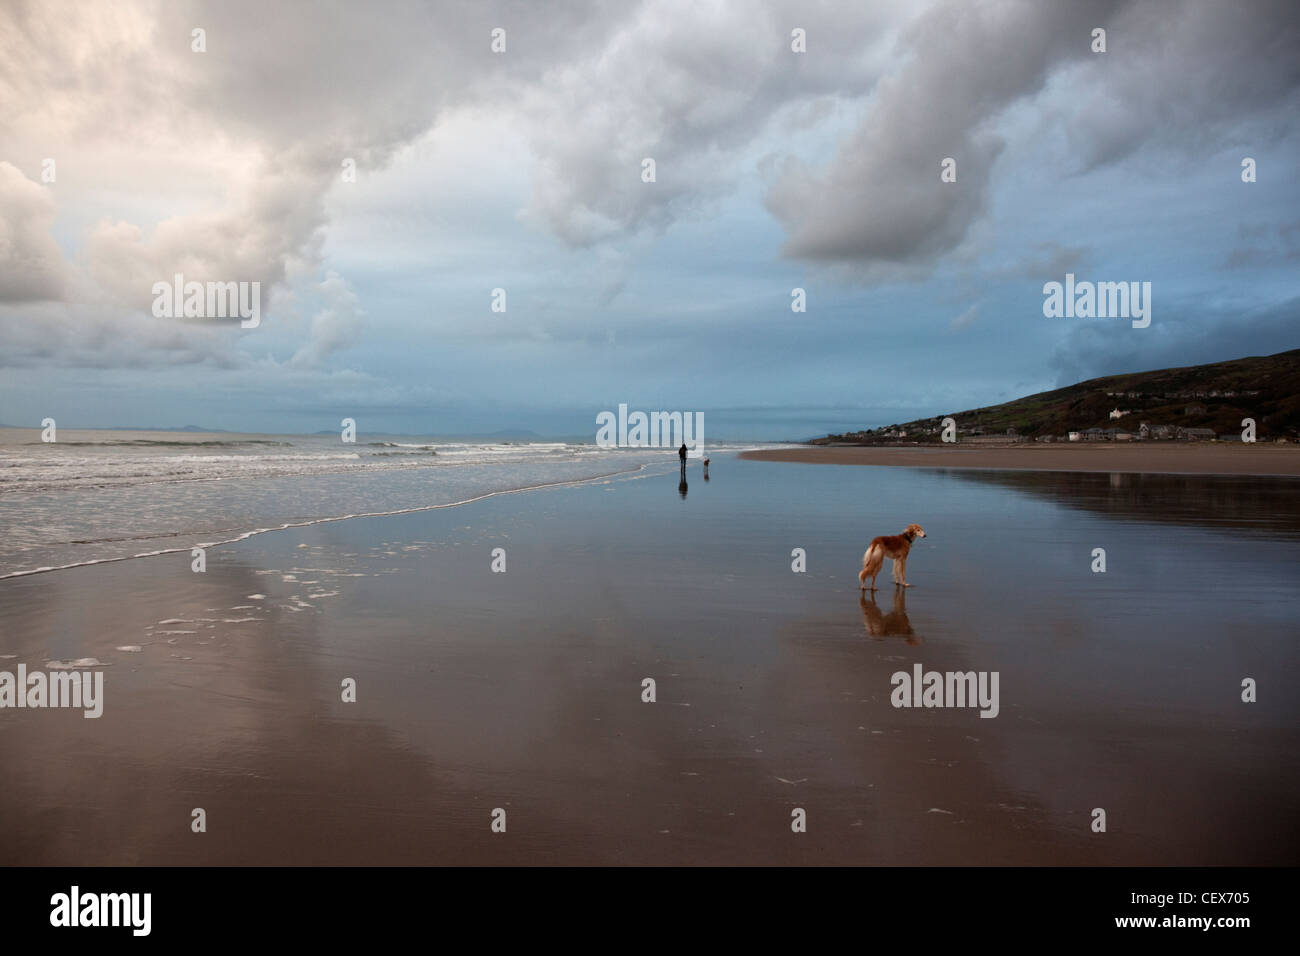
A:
(159, 443)
(287, 525)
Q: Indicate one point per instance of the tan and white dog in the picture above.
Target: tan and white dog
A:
(893, 546)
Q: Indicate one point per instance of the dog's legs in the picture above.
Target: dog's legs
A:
(900, 571)
(872, 562)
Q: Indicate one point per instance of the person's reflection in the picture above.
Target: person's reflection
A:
(893, 624)
(681, 488)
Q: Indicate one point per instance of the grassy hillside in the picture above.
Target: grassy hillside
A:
(1216, 396)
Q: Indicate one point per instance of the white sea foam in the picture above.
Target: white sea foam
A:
(260, 479)
(80, 662)
(302, 524)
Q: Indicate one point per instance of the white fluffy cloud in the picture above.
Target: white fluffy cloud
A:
(334, 327)
(31, 263)
(688, 85)
(219, 165)
(216, 164)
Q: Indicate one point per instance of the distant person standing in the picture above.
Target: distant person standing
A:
(681, 453)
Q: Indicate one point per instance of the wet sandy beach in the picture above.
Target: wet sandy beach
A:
(522, 690)
(1195, 458)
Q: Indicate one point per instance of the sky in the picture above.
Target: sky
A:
(380, 169)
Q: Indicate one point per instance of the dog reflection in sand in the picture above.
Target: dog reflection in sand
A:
(893, 624)
(893, 546)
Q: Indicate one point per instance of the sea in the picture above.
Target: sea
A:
(99, 495)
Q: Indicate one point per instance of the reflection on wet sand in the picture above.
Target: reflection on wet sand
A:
(893, 624)
(1266, 504)
(523, 692)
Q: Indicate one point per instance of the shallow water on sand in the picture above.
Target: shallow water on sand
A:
(96, 496)
(523, 690)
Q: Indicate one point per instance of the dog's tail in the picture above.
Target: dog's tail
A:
(871, 562)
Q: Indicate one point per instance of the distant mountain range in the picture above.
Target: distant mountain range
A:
(1216, 397)
(183, 428)
(130, 428)
(507, 434)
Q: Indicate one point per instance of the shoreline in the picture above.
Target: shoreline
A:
(1257, 460)
(523, 689)
(309, 522)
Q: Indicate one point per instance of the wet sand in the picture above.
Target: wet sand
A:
(523, 690)
(1189, 458)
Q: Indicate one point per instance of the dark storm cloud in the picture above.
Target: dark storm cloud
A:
(1175, 72)
(1192, 335)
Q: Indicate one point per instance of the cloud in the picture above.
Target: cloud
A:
(1175, 74)
(1265, 245)
(240, 143)
(226, 165)
(334, 327)
(1183, 75)
(965, 320)
(691, 86)
(44, 334)
(274, 220)
(1193, 334)
(31, 263)
(1046, 261)
(880, 201)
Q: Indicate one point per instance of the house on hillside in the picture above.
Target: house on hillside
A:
(1194, 410)
(1116, 414)
(1149, 432)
